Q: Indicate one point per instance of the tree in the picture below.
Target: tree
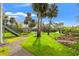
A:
(51, 13)
(5, 19)
(16, 24)
(28, 20)
(40, 9)
(12, 21)
(32, 24)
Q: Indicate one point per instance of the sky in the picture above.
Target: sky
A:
(67, 12)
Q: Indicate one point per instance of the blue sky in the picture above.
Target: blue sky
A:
(67, 12)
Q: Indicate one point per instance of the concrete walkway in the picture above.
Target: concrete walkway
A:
(16, 49)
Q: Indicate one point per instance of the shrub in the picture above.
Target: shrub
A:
(76, 48)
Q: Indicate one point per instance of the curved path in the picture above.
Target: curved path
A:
(17, 50)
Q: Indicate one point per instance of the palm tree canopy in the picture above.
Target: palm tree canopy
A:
(28, 14)
(28, 18)
(40, 8)
(32, 24)
(52, 11)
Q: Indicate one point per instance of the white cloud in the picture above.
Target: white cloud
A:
(8, 13)
(15, 14)
(21, 13)
(18, 14)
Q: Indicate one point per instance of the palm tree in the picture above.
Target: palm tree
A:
(51, 13)
(32, 24)
(28, 19)
(40, 9)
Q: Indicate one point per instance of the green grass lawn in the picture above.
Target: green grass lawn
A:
(4, 51)
(46, 45)
(14, 39)
(9, 37)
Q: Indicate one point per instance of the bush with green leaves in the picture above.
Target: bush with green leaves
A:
(76, 48)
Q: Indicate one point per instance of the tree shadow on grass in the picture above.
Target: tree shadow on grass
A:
(40, 49)
(44, 50)
(37, 43)
(47, 50)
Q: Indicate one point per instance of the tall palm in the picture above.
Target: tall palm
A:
(40, 9)
(51, 13)
(28, 19)
(32, 24)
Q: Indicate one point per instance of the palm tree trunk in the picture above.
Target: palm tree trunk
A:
(39, 27)
(1, 39)
(49, 26)
(41, 24)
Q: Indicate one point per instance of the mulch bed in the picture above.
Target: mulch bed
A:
(67, 40)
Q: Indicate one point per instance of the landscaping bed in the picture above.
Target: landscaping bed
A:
(67, 40)
(70, 39)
